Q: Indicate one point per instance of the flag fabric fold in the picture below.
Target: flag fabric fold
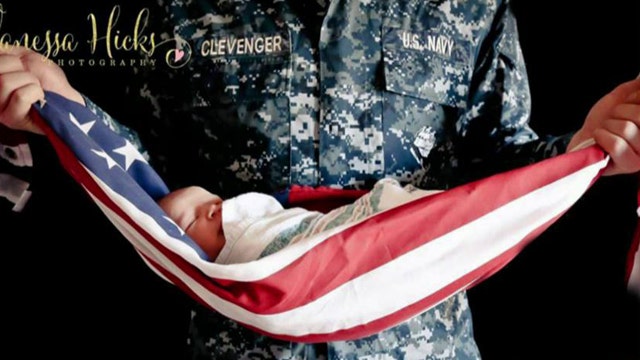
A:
(416, 254)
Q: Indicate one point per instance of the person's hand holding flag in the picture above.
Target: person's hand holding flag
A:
(614, 123)
(24, 75)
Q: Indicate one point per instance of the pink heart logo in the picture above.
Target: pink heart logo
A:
(178, 54)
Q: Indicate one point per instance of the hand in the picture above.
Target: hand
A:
(24, 75)
(614, 123)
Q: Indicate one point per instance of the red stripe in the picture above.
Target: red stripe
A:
(323, 199)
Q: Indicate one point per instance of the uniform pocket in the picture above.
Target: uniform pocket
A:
(427, 65)
(240, 113)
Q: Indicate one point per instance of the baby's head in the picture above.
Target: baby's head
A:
(199, 213)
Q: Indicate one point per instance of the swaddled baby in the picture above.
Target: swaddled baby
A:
(253, 225)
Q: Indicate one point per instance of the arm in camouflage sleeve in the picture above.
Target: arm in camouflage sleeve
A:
(494, 132)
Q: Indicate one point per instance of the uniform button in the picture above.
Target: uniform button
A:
(335, 129)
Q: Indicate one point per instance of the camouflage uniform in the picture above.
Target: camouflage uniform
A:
(421, 91)
(347, 92)
(338, 93)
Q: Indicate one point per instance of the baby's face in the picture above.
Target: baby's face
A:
(199, 214)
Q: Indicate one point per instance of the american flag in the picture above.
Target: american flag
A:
(416, 254)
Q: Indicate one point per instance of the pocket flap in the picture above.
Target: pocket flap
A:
(427, 65)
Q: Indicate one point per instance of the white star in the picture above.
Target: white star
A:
(84, 127)
(130, 154)
(110, 162)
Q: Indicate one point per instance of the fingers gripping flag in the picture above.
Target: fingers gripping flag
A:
(443, 243)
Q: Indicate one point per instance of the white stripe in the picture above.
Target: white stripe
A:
(425, 270)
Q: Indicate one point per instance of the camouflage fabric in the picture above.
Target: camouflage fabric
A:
(420, 91)
(338, 93)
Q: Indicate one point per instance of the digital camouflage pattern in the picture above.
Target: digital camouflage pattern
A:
(421, 91)
(338, 93)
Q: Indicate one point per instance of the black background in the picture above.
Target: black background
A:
(87, 296)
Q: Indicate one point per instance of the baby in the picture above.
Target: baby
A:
(231, 231)
(253, 225)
